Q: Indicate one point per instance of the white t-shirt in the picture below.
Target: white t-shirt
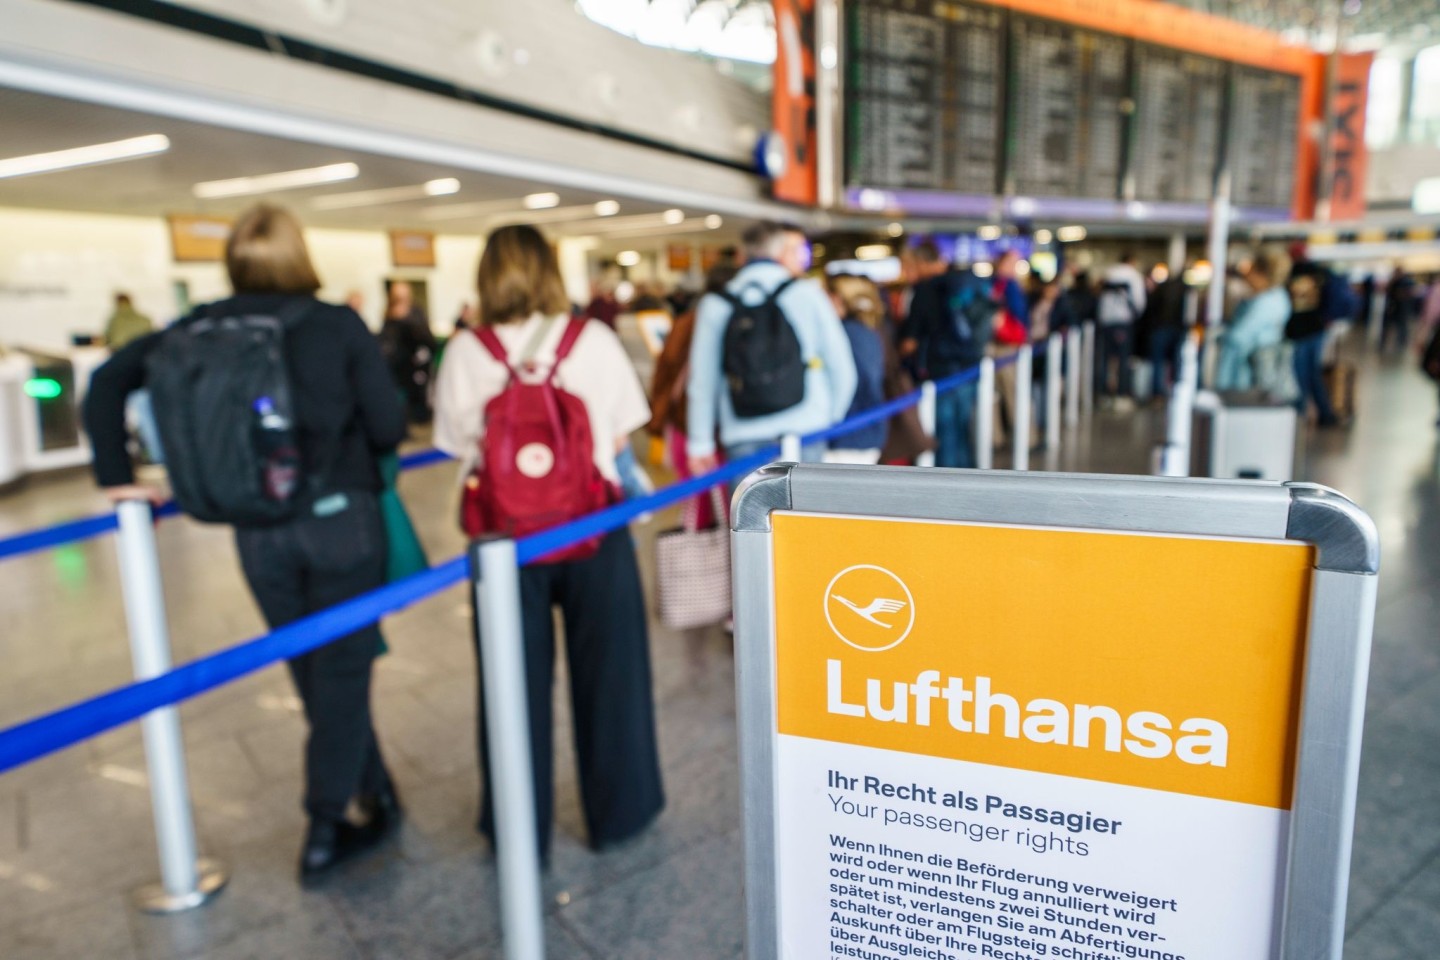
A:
(598, 371)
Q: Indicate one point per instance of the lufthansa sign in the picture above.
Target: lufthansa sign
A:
(1085, 736)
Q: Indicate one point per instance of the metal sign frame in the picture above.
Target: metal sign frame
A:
(1337, 651)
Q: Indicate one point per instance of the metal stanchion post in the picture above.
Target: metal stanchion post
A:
(1175, 455)
(1073, 377)
(1024, 367)
(1054, 356)
(495, 577)
(790, 448)
(185, 880)
(985, 416)
(1087, 367)
(926, 410)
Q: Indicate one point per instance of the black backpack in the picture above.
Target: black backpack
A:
(762, 359)
(223, 404)
(972, 310)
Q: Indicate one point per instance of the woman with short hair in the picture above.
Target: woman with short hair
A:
(333, 547)
(525, 314)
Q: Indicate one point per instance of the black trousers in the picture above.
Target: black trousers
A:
(301, 567)
(612, 706)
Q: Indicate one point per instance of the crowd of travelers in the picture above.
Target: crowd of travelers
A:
(280, 414)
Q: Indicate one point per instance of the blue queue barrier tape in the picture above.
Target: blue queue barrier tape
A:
(58, 535)
(70, 725)
(424, 458)
(537, 545)
(74, 531)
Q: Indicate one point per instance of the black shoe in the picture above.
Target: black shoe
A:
(382, 810)
(330, 842)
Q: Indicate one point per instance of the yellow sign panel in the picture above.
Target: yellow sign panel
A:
(1162, 662)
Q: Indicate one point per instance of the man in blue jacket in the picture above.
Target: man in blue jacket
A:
(775, 254)
(950, 326)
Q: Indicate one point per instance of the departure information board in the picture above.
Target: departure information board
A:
(1067, 130)
(923, 95)
(946, 98)
(1264, 112)
(1180, 110)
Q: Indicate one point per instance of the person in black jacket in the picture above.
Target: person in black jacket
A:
(1318, 298)
(346, 411)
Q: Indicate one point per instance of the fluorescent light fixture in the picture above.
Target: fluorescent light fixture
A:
(983, 269)
(714, 222)
(1072, 234)
(895, 229)
(989, 232)
(84, 156)
(370, 198)
(607, 208)
(1022, 268)
(627, 258)
(1426, 198)
(541, 201)
(873, 251)
(1043, 236)
(272, 182)
(674, 215)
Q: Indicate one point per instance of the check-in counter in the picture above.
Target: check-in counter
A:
(41, 393)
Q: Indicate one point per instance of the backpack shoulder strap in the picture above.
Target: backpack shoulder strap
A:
(494, 347)
(573, 329)
(775, 294)
(294, 311)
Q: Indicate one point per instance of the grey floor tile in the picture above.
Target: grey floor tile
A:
(1407, 925)
(393, 908)
(658, 914)
(98, 928)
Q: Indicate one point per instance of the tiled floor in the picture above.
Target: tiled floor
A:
(75, 832)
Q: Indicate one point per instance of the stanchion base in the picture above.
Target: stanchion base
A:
(211, 877)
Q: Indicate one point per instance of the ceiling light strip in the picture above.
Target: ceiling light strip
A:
(115, 150)
(272, 182)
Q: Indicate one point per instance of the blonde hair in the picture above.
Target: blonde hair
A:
(266, 253)
(861, 299)
(1273, 264)
(519, 276)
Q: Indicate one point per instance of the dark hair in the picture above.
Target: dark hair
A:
(266, 253)
(720, 276)
(519, 276)
(122, 299)
(926, 251)
(1127, 257)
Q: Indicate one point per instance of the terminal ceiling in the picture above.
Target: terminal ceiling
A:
(163, 184)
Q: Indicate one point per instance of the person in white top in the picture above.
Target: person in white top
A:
(522, 300)
(1120, 304)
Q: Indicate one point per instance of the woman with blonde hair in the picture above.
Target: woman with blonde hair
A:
(857, 302)
(332, 546)
(525, 318)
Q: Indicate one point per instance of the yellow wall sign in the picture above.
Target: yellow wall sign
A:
(1027, 740)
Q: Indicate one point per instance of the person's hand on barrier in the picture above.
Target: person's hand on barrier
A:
(703, 464)
(133, 491)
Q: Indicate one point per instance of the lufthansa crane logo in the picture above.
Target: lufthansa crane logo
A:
(869, 608)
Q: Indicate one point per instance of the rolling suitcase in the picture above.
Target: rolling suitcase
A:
(1340, 388)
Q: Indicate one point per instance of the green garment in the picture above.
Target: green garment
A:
(404, 556)
(126, 324)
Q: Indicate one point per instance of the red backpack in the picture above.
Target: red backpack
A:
(537, 467)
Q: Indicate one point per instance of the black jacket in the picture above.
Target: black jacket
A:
(345, 404)
(941, 351)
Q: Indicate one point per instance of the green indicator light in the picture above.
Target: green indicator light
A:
(43, 388)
